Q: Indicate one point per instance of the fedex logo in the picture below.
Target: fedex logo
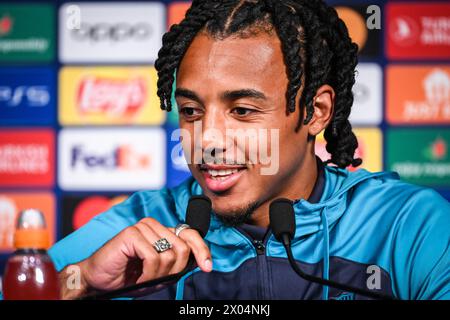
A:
(122, 157)
(116, 159)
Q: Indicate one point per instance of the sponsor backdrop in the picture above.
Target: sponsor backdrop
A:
(81, 127)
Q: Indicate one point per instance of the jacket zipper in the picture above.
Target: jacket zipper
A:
(259, 246)
(261, 265)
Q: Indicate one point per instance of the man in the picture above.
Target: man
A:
(286, 67)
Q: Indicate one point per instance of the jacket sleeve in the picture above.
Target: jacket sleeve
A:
(82, 243)
(421, 250)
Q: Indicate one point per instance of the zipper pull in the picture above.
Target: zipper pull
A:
(260, 247)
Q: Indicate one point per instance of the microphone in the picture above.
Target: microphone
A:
(198, 217)
(198, 214)
(282, 223)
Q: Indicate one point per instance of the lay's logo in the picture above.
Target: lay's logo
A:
(109, 96)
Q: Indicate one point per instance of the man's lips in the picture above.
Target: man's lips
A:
(219, 177)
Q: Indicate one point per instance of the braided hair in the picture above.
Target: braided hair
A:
(316, 47)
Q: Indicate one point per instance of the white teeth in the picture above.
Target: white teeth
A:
(222, 173)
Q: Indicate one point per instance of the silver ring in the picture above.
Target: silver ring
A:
(162, 245)
(180, 227)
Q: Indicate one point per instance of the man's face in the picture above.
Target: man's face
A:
(239, 83)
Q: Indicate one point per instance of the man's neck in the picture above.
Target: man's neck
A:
(297, 186)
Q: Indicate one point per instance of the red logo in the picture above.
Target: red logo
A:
(404, 31)
(27, 158)
(6, 24)
(111, 96)
(418, 30)
(91, 207)
(437, 150)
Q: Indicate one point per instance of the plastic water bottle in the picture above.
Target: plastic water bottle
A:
(29, 272)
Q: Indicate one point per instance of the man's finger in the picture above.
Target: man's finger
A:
(167, 258)
(198, 248)
(181, 249)
(140, 247)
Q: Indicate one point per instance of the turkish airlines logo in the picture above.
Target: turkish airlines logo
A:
(111, 96)
(418, 30)
(405, 31)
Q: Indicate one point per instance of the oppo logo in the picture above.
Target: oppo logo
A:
(112, 32)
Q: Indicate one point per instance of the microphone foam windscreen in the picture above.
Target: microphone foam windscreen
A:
(282, 218)
(198, 214)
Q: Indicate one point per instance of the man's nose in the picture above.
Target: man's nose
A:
(214, 133)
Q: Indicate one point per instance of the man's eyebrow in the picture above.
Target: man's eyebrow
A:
(189, 94)
(243, 93)
(227, 95)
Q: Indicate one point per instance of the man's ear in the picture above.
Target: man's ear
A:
(323, 103)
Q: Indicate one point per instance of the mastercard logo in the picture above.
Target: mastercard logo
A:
(176, 12)
(356, 25)
(93, 206)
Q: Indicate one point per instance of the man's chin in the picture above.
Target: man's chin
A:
(234, 215)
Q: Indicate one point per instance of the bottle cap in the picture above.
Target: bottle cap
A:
(31, 231)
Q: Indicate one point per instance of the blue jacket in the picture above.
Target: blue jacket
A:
(369, 230)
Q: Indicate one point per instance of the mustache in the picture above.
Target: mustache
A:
(211, 157)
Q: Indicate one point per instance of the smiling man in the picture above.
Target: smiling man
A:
(283, 67)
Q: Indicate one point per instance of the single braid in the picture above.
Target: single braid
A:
(286, 24)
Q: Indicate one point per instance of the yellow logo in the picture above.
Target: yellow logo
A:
(109, 96)
(369, 148)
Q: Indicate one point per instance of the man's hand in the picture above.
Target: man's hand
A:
(130, 258)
